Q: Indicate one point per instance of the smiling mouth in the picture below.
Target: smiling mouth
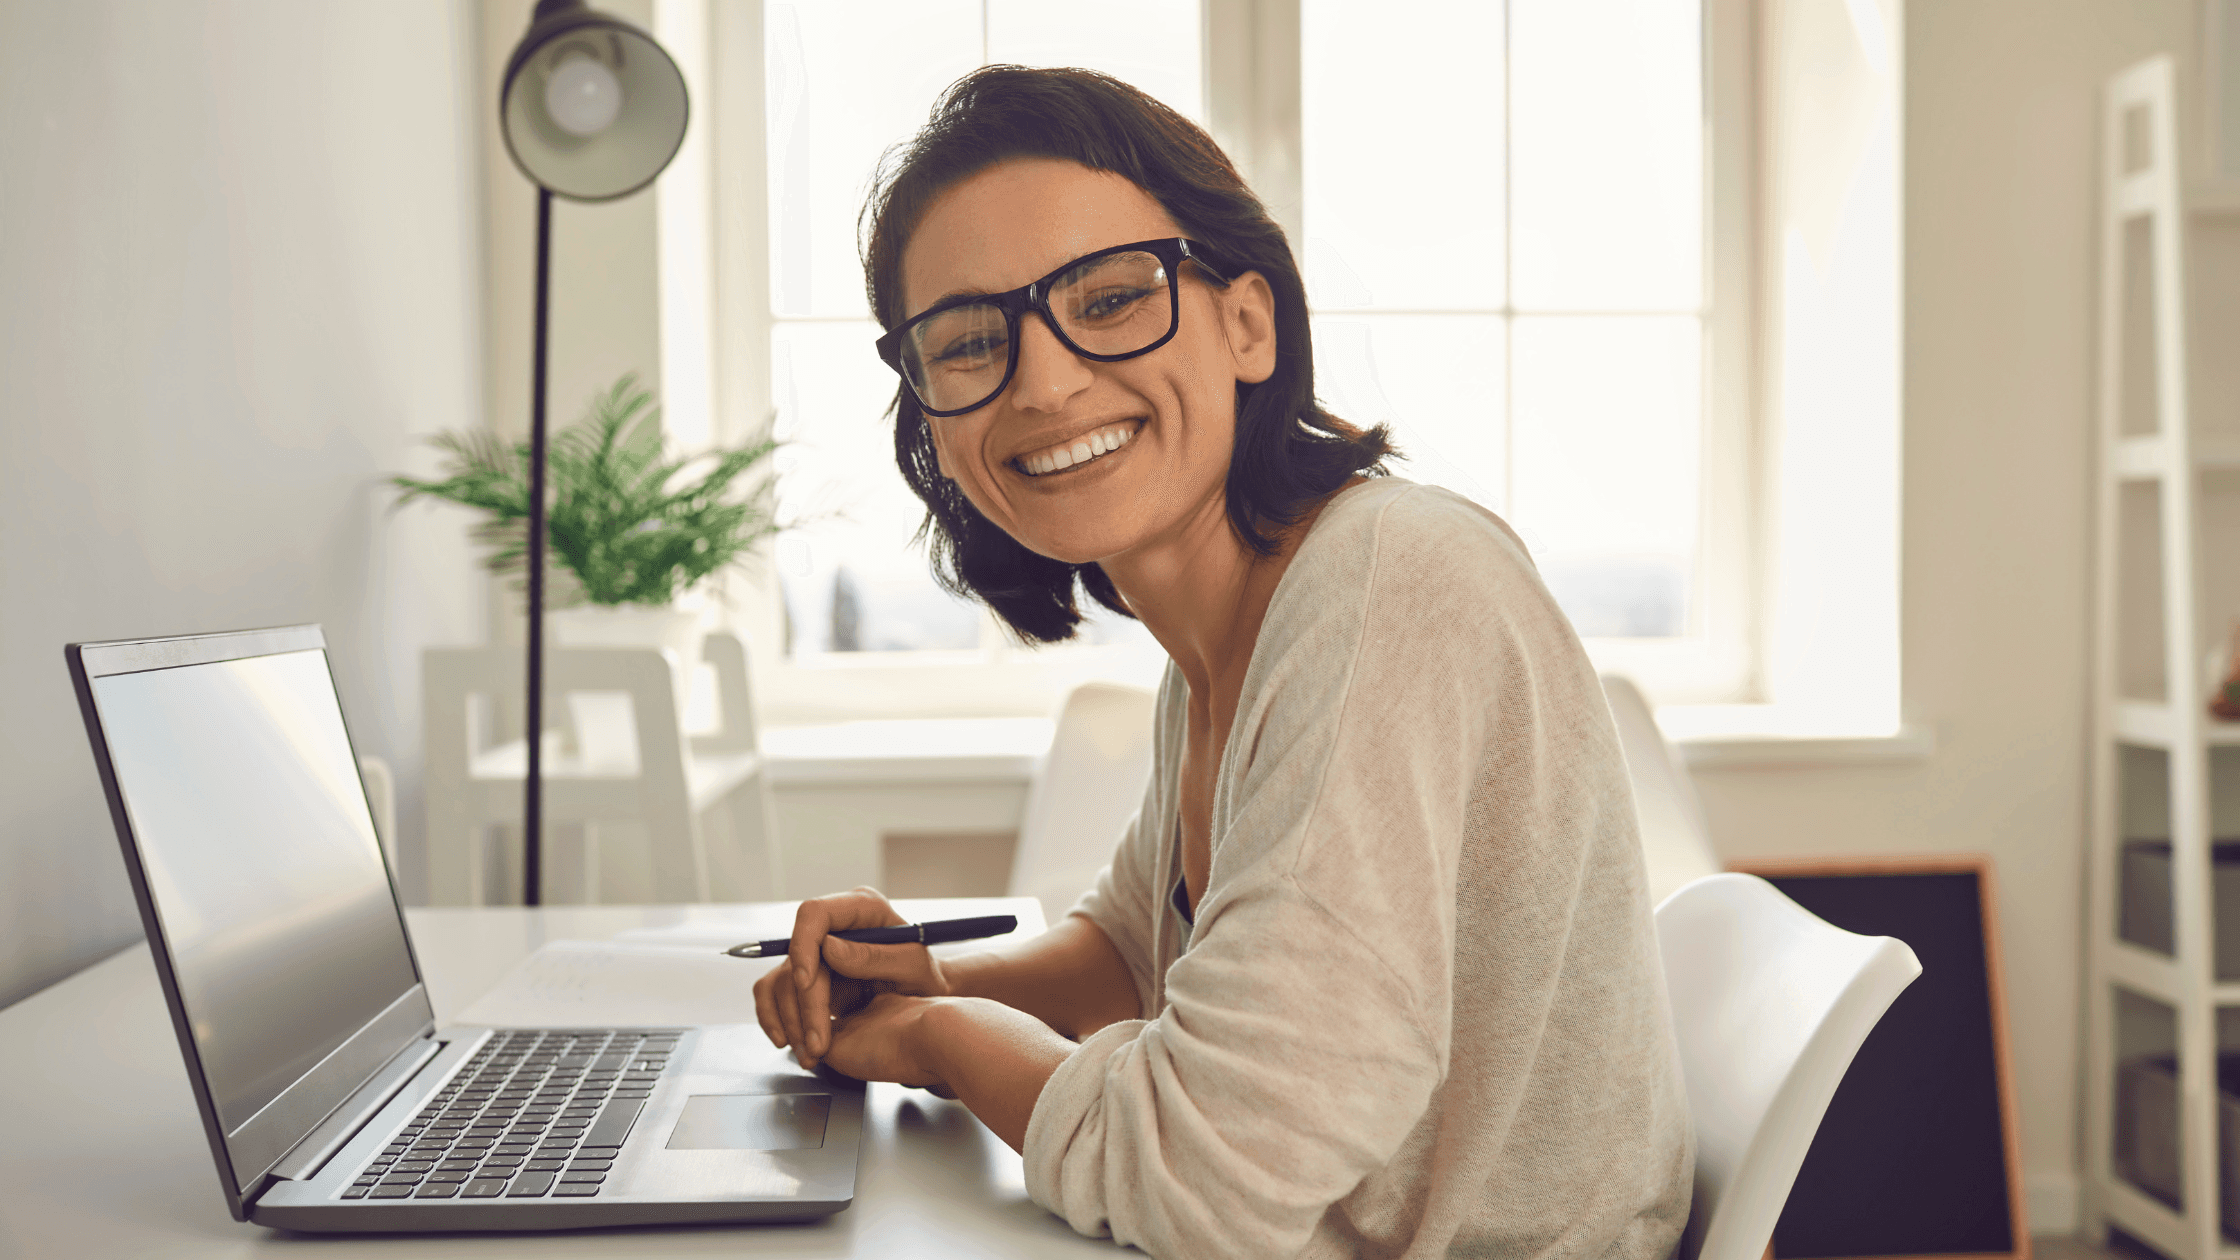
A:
(1083, 450)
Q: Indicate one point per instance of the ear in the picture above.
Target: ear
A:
(1248, 318)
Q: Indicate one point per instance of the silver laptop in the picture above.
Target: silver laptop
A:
(331, 1099)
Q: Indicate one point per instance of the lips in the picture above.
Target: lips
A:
(1082, 450)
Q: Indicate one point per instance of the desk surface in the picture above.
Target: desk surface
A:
(104, 1155)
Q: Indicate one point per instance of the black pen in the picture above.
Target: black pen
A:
(935, 933)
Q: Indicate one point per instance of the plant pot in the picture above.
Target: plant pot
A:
(605, 729)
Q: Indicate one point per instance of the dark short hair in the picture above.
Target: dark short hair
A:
(1288, 453)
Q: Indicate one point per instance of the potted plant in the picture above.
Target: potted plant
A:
(630, 529)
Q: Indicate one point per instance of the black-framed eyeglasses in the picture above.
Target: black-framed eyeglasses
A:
(1111, 305)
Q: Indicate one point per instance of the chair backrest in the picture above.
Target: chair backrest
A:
(1769, 1003)
(1090, 785)
(655, 743)
(1675, 843)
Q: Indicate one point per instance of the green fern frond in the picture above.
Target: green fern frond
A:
(628, 524)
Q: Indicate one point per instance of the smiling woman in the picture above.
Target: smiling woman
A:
(1372, 969)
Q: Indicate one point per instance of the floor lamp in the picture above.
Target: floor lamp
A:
(592, 110)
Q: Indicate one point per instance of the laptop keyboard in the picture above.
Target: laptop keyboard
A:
(535, 1113)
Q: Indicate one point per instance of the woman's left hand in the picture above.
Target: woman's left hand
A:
(885, 1041)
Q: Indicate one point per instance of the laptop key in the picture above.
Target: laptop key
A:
(355, 1192)
(576, 1190)
(438, 1190)
(590, 1165)
(440, 1175)
(390, 1192)
(483, 1188)
(586, 1175)
(529, 1185)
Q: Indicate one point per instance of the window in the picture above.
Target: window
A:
(1505, 252)
(1553, 315)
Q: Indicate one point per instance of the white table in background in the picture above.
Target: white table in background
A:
(103, 1154)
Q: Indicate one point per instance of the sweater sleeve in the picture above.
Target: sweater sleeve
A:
(1306, 1026)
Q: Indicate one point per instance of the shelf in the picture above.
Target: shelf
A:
(2143, 971)
(2142, 458)
(2135, 194)
(2148, 1218)
(2149, 725)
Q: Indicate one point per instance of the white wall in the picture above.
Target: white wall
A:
(239, 264)
(2001, 100)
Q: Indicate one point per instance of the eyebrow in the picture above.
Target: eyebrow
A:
(953, 294)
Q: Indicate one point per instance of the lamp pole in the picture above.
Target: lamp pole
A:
(591, 109)
(532, 800)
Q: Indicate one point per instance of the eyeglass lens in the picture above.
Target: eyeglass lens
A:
(1117, 304)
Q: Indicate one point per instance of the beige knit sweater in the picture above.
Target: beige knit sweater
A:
(1420, 1011)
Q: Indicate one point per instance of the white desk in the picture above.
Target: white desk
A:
(103, 1155)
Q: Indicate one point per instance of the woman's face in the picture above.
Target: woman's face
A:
(1168, 417)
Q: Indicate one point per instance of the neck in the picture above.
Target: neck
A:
(1203, 594)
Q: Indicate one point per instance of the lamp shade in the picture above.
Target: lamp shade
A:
(592, 108)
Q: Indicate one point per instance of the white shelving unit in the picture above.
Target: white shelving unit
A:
(2156, 751)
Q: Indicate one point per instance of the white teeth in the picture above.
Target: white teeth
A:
(1103, 441)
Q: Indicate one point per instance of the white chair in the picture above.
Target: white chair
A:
(1090, 784)
(1770, 1004)
(1675, 843)
(703, 800)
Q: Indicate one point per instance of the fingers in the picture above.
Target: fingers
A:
(766, 1006)
(789, 1012)
(906, 965)
(777, 1007)
(837, 912)
(801, 991)
(815, 1015)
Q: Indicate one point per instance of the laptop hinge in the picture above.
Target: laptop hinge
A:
(306, 1157)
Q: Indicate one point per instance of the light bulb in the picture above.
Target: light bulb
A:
(583, 96)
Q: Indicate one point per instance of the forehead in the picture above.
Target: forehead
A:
(1018, 221)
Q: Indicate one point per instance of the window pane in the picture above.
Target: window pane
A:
(1437, 379)
(1151, 44)
(1606, 136)
(1606, 444)
(852, 579)
(1400, 106)
(838, 96)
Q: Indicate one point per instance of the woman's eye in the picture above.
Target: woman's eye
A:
(1106, 303)
(969, 350)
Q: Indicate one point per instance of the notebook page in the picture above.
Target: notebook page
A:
(595, 983)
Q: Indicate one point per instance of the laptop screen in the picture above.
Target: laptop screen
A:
(262, 863)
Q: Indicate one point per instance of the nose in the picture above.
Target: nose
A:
(1049, 375)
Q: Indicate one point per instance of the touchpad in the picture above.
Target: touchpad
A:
(751, 1122)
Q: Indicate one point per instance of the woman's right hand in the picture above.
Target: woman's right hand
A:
(824, 976)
